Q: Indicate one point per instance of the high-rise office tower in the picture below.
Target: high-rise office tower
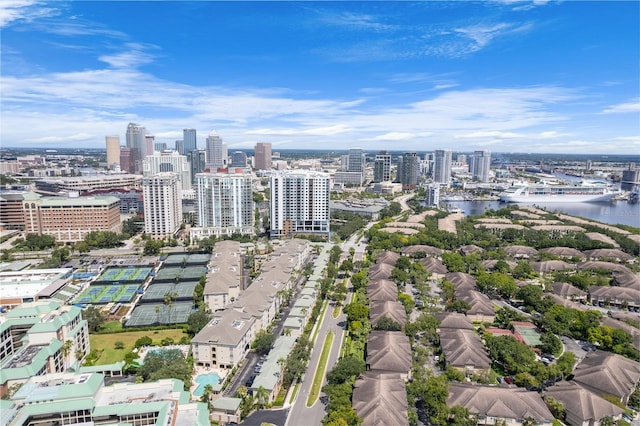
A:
(179, 147)
(150, 145)
(409, 175)
(442, 166)
(239, 159)
(126, 160)
(299, 203)
(136, 141)
(198, 161)
(162, 204)
(262, 154)
(190, 141)
(159, 146)
(225, 203)
(356, 160)
(113, 150)
(170, 161)
(480, 165)
(216, 152)
(382, 167)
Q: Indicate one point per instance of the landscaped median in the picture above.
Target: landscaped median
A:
(318, 377)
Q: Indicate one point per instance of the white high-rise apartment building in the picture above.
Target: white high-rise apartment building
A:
(162, 204)
(162, 162)
(113, 150)
(217, 153)
(299, 203)
(225, 204)
(442, 166)
(480, 165)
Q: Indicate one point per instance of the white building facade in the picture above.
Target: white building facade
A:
(225, 204)
(299, 203)
(162, 204)
(169, 162)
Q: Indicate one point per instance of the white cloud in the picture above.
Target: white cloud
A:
(27, 10)
(626, 107)
(78, 137)
(392, 136)
(135, 55)
(321, 131)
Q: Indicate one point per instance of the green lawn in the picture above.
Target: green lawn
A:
(106, 342)
(318, 378)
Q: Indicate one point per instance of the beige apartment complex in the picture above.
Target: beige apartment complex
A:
(69, 220)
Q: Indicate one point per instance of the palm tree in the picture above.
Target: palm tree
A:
(169, 299)
(261, 397)
(65, 350)
(206, 395)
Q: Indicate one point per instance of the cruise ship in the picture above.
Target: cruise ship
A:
(582, 192)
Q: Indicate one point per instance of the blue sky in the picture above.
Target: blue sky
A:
(541, 76)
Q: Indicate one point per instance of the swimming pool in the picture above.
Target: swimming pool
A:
(204, 380)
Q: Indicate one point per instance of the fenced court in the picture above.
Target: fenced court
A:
(181, 260)
(192, 273)
(160, 314)
(156, 292)
(123, 275)
(103, 294)
(529, 334)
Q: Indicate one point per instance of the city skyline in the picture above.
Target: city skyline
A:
(539, 77)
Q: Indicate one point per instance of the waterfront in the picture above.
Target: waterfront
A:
(614, 213)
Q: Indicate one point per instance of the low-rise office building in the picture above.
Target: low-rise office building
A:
(68, 398)
(70, 219)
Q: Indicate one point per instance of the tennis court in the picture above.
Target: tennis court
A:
(181, 260)
(103, 294)
(148, 315)
(123, 275)
(192, 273)
(528, 332)
(156, 293)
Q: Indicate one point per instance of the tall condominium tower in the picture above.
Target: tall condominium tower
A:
(299, 203)
(382, 167)
(262, 154)
(442, 166)
(162, 204)
(190, 142)
(225, 203)
(409, 175)
(113, 150)
(197, 160)
(216, 152)
(480, 165)
(171, 161)
(136, 141)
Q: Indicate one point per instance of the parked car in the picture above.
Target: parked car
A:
(508, 379)
(249, 381)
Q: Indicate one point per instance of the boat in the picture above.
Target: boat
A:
(581, 192)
